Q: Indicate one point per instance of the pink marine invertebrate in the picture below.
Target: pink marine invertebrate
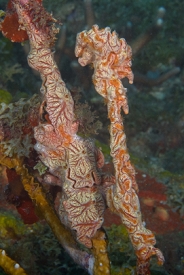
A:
(73, 160)
(111, 59)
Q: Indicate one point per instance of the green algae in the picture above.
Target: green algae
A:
(5, 96)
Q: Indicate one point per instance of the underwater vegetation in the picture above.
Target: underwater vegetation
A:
(5, 96)
(32, 244)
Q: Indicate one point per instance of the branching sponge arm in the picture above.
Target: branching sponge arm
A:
(9, 265)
